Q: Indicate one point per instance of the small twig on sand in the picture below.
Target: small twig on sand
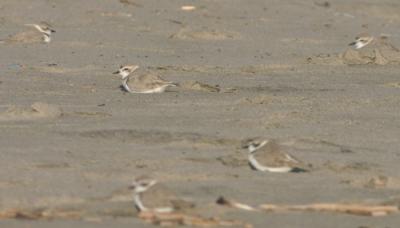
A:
(230, 203)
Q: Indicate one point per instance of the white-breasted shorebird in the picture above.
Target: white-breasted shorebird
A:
(142, 81)
(149, 195)
(45, 29)
(268, 156)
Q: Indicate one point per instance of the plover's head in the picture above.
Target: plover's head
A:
(142, 184)
(48, 31)
(253, 144)
(124, 71)
(361, 41)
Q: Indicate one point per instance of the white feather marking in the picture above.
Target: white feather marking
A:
(359, 44)
(253, 148)
(125, 85)
(39, 28)
(46, 38)
(290, 158)
(163, 209)
(243, 206)
(138, 203)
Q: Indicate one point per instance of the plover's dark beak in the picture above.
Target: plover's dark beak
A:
(352, 43)
(298, 170)
(245, 145)
(53, 31)
(131, 187)
(116, 72)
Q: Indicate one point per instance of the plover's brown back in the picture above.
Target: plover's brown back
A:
(160, 196)
(25, 37)
(271, 157)
(147, 82)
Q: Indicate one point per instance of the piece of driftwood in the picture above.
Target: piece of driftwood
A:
(40, 213)
(174, 219)
(354, 209)
(230, 203)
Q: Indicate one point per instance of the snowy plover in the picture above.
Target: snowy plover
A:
(142, 82)
(149, 195)
(45, 29)
(43, 34)
(267, 155)
(361, 41)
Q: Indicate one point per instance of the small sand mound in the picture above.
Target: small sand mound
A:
(36, 111)
(198, 86)
(353, 57)
(382, 181)
(375, 182)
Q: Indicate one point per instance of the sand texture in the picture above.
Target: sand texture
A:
(72, 141)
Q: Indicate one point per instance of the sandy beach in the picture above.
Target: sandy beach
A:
(71, 139)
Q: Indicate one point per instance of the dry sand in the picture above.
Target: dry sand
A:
(342, 119)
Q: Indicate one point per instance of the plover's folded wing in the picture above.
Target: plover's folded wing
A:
(25, 37)
(158, 79)
(160, 198)
(271, 157)
(152, 81)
